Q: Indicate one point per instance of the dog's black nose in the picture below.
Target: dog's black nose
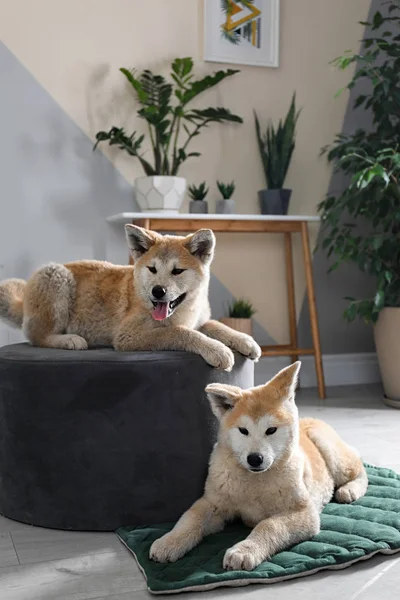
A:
(255, 460)
(158, 292)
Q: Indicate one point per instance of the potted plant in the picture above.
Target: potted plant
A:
(227, 204)
(370, 161)
(276, 149)
(172, 125)
(198, 204)
(240, 313)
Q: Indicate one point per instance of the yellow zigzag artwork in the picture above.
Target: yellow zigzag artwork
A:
(238, 26)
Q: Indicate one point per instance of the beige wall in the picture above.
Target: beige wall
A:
(74, 49)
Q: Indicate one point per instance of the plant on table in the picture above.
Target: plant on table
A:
(227, 204)
(198, 193)
(226, 189)
(166, 107)
(276, 148)
(370, 159)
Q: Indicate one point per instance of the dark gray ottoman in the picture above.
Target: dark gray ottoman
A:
(98, 439)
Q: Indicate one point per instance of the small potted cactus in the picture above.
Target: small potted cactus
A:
(226, 205)
(240, 313)
(198, 203)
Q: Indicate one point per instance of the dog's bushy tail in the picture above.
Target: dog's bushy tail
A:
(11, 301)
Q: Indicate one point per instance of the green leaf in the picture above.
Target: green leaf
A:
(377, 20)
(351, 312)
(379, 299)
(208, 82)
(142, 96)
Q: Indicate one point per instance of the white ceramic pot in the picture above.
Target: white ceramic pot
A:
(387, 341)
(160, 193)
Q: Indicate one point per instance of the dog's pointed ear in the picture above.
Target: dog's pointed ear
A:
(285, 382)
(201, 244)
(222, 398)
(139, 240)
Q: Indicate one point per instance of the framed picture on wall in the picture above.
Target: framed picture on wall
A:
(245, 32)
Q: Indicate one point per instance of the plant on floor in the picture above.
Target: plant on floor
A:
(276, 147)
(172, 125)
(241, 309)
(198, 192)
(370, 160)
(226, 189)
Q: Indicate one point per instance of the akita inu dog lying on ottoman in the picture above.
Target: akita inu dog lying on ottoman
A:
(270, 469)
(160, 303)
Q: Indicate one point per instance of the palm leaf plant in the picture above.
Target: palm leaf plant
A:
(172, 123)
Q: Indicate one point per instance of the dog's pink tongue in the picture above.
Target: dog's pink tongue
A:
(161, 311)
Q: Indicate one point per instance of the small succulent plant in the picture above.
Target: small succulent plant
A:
(226, 189)
(198, 192)
(241, 309)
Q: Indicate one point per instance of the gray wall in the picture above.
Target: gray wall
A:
(338, 336)
(55, 192)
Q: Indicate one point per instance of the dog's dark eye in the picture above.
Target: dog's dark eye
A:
(152, 270)
(177, 271)
(271, 430)
(243, 431)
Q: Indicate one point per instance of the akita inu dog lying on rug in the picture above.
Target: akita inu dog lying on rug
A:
(270, 469)
(160, 303)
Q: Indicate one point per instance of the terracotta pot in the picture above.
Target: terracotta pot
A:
(243, 325)
(387, 341)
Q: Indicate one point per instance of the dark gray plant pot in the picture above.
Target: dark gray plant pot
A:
(198, 207)
(274, 202)
(225, 207)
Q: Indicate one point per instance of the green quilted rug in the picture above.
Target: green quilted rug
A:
(349, 533)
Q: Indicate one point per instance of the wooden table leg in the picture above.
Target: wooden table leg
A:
(313, 309)
(291, 295)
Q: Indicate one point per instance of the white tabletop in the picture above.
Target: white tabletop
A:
(133, 216)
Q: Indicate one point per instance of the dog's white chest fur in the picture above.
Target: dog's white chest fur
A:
(252, 497)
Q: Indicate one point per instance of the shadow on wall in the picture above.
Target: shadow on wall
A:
(338, 336)
(78, 210)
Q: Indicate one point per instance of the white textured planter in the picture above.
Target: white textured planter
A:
(160, 193)
(387, 341)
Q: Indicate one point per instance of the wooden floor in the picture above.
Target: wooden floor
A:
(40, 564)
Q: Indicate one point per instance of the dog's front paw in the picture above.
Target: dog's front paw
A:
(167, 549)
(218, 355)
(244, 556)
(247, 346)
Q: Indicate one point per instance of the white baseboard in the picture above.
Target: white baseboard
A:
(339, 369)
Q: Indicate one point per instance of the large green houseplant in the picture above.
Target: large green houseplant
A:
(172, 126)
(276, 148)
(361, 224)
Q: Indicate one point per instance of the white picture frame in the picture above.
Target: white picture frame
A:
(242, 32)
